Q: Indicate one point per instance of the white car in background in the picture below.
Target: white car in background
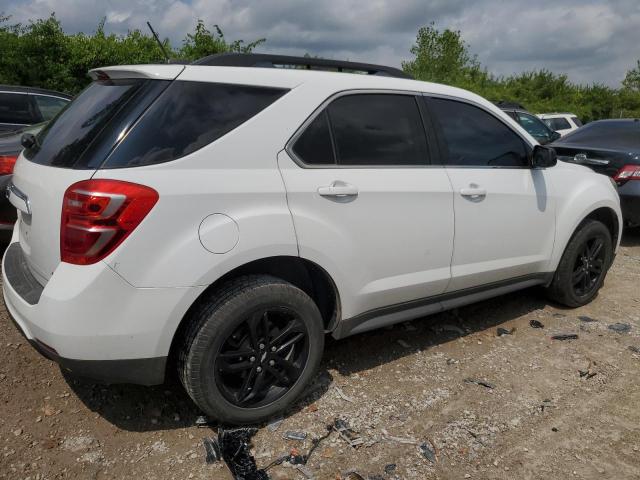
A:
(562, 123)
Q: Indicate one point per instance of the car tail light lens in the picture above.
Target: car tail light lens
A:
(626, 173)
(7, 162)
(97, 215)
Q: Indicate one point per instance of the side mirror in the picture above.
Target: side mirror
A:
(543, 157)
(555, 136)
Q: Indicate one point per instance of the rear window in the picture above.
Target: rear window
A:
(17, 108)
(577, 121)
(186, 117)
(557, 123)
(613, 134)
(142, 122)
(86, 130)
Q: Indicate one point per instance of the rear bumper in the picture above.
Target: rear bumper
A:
(92, 322)
(630, 201)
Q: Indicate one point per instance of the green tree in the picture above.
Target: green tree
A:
(202, 43)
(632, 79)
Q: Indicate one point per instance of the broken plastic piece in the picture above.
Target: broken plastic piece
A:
(390, 468)
(274, 424)
(211, 450)
(483, 383)
(503, 331)
(620, 327)
(347, 433)
(202, 422)
(565, 336)
(234, 445)
(586, 374)
(428, 452)
(536, 324)
(584, 318)
(291, 435)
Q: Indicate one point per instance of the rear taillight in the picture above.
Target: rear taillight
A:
(97, 215)
(7, 162)
(626, 173)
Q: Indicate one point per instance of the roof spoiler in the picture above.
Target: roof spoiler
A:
(155, 72)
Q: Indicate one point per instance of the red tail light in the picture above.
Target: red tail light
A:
(7, 162)
(628, 172)
(97, 215)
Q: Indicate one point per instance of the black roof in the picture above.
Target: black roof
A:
(21, 89)
(308, 63)
(504, 105)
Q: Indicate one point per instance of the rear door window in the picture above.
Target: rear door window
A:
(378, 129)
(534, 126)
(474, 137)
(18, 108)
(186, 117)
(558, 123)
(577, 121)
(49, 106)
(314, 146)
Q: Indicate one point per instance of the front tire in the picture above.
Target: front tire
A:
(583, 265)
(251, 349)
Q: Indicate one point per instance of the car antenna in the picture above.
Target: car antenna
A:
(155, 35)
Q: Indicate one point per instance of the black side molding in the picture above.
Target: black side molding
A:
(19, 275)
(401, 312)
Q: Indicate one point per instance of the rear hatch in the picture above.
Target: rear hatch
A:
(72, 147)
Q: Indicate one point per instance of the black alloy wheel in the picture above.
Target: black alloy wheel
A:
(589, 267)
(263, 357)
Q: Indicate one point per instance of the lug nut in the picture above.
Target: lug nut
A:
(273, 349)
(261, 346)
(272, 362)
(259, 369)
(252, 359)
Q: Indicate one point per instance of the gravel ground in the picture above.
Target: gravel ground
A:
(536, 416)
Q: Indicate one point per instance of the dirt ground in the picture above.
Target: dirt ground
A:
(398, 387)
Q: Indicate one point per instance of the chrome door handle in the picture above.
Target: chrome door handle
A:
(338, 189)
(474, 193)
(18, 199)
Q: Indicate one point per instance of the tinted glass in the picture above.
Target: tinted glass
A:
(557, 123)
(68, 140)
(377, 129)
(534, 126)
(577, 121)
(314, 145)
(186, 117)
(476, 138)
(17, 108)
(49, 106)
(610, 134)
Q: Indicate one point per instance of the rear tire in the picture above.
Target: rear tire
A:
(251, 349)
(583, 266)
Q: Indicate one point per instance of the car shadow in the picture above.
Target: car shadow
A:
(631, 237)
(167, 407)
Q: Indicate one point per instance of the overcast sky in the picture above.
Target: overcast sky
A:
(591, 41)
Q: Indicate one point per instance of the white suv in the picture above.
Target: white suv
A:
(562, 123)
(223, 219)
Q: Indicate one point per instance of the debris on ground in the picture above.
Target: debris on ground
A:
(546, 403)
(503, 331)
(353, 476)
(452, 328)
(428, 451)
(403, 344)
(304, 470)
(234, 446)
(347, 433)
(291, 435)
(343, 395)
(620, 327)
(202, 422)
(274, 424)
(211, 450)
(565, 336)
(536, 324)
(588, 373)
(482, 383)
(390, 468)
(586, 319)
(403, 440)
(634, 349)
(294, 457)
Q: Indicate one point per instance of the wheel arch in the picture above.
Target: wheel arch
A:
(304, 274)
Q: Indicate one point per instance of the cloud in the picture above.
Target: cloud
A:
(589, 40)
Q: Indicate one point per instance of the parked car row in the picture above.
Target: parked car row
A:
(23, 106)
(220, 221)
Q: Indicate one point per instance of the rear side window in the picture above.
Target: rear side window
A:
(378, 129)
(17, 108)
(474, 137)
(577, 121)
(49, 106)
(314, 145)
(186, 117)
(558, 123)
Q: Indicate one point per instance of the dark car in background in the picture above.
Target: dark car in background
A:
(23, 106)
(610, 147)
(532, 124)
(10, 148)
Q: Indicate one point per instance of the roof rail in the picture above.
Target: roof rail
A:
(286, 61)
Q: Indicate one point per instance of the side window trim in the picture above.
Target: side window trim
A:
(323, 109)
(441, 141)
